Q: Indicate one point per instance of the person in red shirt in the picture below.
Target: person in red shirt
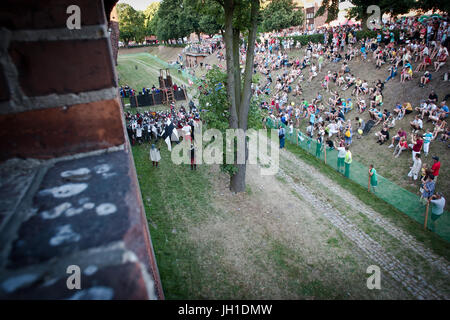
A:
(435, 168)
(416, 145)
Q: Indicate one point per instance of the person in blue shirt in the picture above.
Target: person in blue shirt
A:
(281, 136)
(393, 72)
(312, 118)
(363, 52)
(379, 38)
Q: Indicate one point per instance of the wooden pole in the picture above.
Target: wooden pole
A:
(426, 215)
(325, 153)
(368, 183)
(297, 138)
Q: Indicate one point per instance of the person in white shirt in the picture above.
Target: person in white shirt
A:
(417, 123)
(437, 208)
(415, 169)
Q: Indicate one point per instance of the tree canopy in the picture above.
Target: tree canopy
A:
(281, 14)
(131, 23)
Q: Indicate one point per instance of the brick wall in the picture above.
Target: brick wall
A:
(57, 77)
(69, 191)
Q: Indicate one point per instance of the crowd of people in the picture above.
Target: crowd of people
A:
(172, 126)
(327, 120)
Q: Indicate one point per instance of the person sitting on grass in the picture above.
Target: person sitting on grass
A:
(426, 78)
(442, 59)
(400, 147)
(424, 64)
(392, 73)
(361, 105)
(400, 134)
(416, 124)
(383, 135)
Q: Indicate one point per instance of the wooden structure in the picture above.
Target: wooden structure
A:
(166, 85)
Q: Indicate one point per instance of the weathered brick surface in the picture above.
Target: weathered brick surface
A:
(4, 89)
(63, 66)
(55, 132)
(16, 177)
(45, 14)
(77, 210)
(118, 282)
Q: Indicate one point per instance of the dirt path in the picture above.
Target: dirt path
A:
(299, 235)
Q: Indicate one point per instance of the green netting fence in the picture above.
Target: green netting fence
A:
(167, 65)
(402, 199)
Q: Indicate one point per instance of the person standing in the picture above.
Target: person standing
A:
(373, 177)
(155, 155)
(415, 169)
(340, 157)
(193, 163)
(319, 145)
(427, 137)
(281, 136)
(435, 168)
(347, 161)
(437, 208)
(428, 187)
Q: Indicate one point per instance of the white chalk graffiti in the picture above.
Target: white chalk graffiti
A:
(65, 191)
(56, 211)
(64, 234)
(77, 172)
(94, 293)
(105, 209)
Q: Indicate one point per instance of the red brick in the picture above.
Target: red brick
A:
(63, 66)
(56, 132)
(45, 14)
(4, 89)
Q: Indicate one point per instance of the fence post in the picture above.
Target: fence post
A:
(426, 215)
(135, 99)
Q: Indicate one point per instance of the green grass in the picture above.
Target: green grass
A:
(430, 239)
(175, 198)
(140, 70)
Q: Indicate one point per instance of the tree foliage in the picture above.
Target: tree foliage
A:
(281, 14)
(150, 13)
(213, 97)
(131, 23)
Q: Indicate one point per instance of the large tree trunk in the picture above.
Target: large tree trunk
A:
(242, 97)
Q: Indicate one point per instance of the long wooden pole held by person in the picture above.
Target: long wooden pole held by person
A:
(368, 183)
(325, 153)
(426, 216)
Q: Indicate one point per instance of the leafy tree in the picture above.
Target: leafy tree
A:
(213, 95)
(150, 13)
(131, 23)
(281, 14)
(172, 21)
